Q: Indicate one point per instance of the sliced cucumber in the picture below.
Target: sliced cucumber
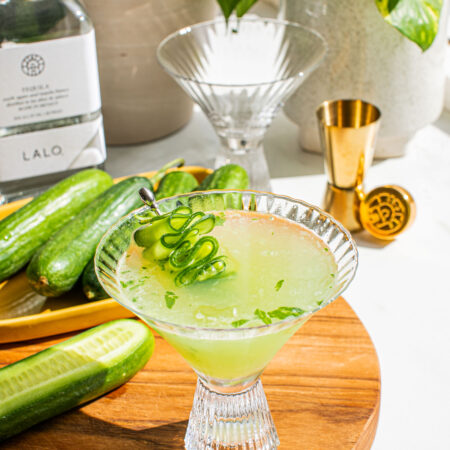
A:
(71, 373)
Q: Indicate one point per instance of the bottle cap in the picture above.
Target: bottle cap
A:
(387, 211)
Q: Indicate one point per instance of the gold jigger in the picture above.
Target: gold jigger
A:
(348, 130)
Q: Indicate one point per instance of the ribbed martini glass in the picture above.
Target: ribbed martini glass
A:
(230, 410)
(241, 74)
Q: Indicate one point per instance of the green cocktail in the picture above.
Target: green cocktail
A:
(277, 267)
(284, 260)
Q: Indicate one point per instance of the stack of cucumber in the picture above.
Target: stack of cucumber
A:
(57, 232)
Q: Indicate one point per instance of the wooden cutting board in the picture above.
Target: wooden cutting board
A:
(323, 389)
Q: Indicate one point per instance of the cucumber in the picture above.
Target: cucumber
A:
(56, 266)
(92, 288)
(230, 176)
(25, 230)
(71, 373)
(175, 183)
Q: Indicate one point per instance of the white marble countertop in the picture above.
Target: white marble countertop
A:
(401, 291)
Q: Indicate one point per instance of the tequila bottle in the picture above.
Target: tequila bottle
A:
(50, 108)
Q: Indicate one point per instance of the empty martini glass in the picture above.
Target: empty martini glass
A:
(240, 75)
(230, 410)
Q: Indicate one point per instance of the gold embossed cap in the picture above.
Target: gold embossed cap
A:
(387, 211)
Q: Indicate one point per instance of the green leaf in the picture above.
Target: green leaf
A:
(220, 219)
(243, 6)
(263, 316)
(227, 7)
(418, 20)
(285, 311)
(170, 298)
(238, 323)
(278, 285)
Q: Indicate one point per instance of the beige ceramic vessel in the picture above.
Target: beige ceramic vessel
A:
(140, 101)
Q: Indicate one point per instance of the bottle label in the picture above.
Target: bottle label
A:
(54, 150)
(48, 80)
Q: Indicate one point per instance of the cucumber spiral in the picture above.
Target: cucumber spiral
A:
(177, 241)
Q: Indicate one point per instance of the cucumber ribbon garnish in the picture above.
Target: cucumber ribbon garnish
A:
(177, 241)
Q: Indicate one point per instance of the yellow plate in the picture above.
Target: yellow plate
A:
(59, 315)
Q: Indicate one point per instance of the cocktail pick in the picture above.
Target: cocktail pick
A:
(348, 130)
(149, 199)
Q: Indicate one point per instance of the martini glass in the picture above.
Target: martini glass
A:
(230, 410)
(241, 74)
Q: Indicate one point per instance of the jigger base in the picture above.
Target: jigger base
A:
(343, 205)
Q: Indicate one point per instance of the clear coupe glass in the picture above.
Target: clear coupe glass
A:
(241, 74)
(230, 410)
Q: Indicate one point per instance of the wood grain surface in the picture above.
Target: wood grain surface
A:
(323, 389)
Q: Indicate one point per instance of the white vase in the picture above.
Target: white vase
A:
(368, 59)
(140, 101)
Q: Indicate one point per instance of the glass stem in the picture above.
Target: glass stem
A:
(249, 155)
(230, 421)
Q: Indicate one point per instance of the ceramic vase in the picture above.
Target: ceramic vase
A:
(368, 59)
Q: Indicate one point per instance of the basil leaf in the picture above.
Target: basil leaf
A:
(284, 311)
(243, 6)
(263, 316)
(238, 323)
(418, 20)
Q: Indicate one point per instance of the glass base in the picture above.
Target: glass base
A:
(253, 161)
(240, 421)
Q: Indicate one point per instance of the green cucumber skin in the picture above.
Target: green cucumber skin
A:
(174, 183)
(76, 390)
(92, 288)
(25, 230)
(56, 266)
(230, 176)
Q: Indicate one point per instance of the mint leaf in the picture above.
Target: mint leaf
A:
(418, 20)
(161, 264)
(125, 284)
(220, 219)
(278, 285)
(263, 316)
(170, 298)
(238, 323)
(285, 311)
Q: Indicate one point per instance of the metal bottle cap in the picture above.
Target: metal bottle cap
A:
(387, 211)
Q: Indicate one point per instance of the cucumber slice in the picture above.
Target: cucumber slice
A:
(71, 373)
